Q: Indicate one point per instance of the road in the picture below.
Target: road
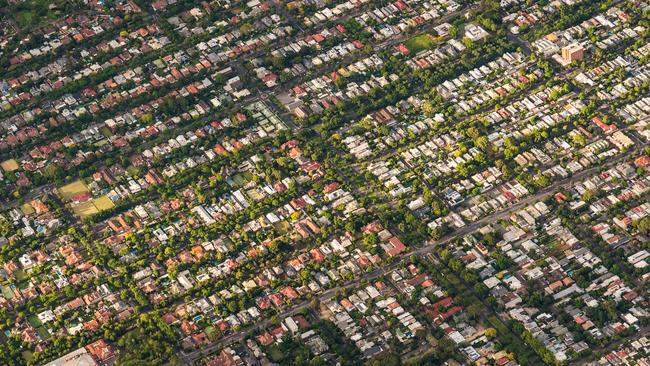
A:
(350, 59)
(255, 95)
(190, 357)
(33, 193)
(612, 346)
(355, 56)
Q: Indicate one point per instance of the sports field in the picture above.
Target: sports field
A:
(72, 189)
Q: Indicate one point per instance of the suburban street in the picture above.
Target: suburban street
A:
(429, 248)
(305, 182)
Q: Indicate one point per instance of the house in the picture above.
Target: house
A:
(475, 32)
(393, 246)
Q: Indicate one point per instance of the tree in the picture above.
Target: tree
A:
(588, 195)
(643, 225)
(579, 139)
(427, 109)
(246, 28)
(5, 226)
(463, 169)
(370, 240)
(386, 359)
(474, 310)
(482, 143)
(453, 32)
(480, 158)
(510, 152)
(278, 62)
(506, 171)
(150, 343)
(146, 118)
(295, 216)
(541, 180)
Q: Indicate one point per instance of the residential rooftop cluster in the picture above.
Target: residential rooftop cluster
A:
(308, 182)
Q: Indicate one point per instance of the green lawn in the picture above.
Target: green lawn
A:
(33, 321)
(28, 356)
(43, 332)
(274, 352)
(133, 171)
(105, 132)
(282, 227)
(420, 43)
(240, 179)
(20, 275)
(25, 18)
(32, 13)
(7, 293)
